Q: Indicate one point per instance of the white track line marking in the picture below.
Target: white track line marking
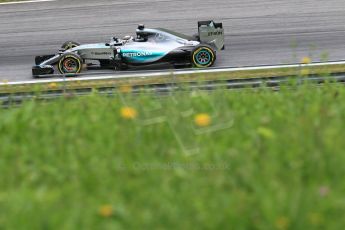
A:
(21, 2)
(168, 74)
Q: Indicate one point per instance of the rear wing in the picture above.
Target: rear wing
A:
(212, 34)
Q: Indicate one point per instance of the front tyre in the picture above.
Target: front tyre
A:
(69, 45)
(203, 56)
(70, 63)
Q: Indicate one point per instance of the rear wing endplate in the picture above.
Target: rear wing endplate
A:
(212, 34)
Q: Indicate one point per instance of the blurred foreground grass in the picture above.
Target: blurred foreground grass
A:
(193, 160)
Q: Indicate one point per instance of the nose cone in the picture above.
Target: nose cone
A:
(42, 70)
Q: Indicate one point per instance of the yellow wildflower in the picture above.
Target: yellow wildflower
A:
(106, 210)
(52, 85)
(202, 120)
(128, 113)
(306, 60)
(125, 89)
(282, 223)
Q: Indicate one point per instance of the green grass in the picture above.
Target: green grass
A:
(268, 160)
(303, 71)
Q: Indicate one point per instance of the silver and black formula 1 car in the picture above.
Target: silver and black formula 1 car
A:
(150, 46)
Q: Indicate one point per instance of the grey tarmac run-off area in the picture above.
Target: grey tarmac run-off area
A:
(258, 32)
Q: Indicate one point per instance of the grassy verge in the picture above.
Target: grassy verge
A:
(142, 81)
(221, 160)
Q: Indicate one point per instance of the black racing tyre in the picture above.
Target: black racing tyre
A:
(70, 63)
(69, 45)
(203, 56)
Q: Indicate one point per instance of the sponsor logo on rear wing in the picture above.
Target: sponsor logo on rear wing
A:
(215, 33)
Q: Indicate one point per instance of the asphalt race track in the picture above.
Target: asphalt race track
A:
(258, 32)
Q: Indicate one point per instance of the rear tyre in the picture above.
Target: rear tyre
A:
(69, 45)
(203, 57)
(70, 63)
